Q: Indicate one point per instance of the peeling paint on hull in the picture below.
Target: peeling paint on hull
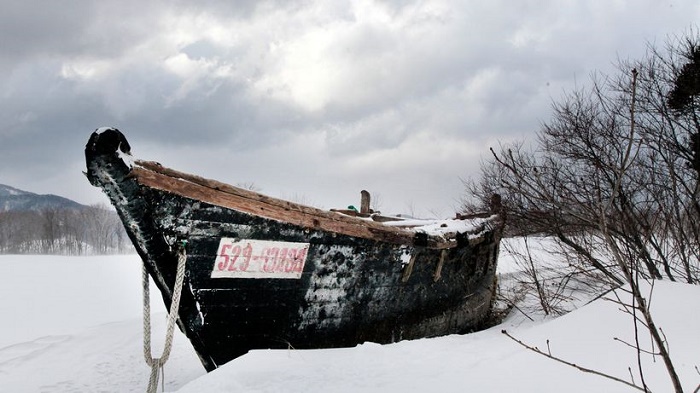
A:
(351, 290)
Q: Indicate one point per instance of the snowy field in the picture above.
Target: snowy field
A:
(73, 324)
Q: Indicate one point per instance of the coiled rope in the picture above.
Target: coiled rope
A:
(157, 364)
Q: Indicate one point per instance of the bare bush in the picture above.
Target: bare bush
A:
(557, 187)
(614, 178)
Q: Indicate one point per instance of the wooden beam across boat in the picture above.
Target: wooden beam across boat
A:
(153, 174)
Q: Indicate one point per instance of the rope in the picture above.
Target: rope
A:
(157, 364)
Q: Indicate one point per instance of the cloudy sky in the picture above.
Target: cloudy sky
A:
(310, 100)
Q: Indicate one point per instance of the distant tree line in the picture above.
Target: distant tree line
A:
(86, 231)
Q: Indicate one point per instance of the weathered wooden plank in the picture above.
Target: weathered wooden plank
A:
(292, 209)
(154, 175)
(262, 208)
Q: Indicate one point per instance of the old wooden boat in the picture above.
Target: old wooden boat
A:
(267, 273)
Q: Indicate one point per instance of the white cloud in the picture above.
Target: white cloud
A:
(310, 97)
(358, 60)
(419, 151)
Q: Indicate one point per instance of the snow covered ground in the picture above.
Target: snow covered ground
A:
(73, 324)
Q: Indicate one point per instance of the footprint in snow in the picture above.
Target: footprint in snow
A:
(28, 350)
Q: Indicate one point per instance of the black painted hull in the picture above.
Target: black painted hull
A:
(351, 289)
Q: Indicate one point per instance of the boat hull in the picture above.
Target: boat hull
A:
(344, 291)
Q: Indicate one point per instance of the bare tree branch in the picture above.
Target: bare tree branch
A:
(580, 368)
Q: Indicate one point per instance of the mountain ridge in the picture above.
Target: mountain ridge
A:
(13, 199)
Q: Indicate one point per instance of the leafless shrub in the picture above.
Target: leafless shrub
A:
(615, 173)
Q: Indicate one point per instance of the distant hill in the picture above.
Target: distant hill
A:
(13, 199)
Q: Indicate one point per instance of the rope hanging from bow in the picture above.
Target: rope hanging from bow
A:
(157, 364)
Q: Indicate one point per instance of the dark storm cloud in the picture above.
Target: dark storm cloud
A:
(27, 29)
(308, 97)
(38, 30)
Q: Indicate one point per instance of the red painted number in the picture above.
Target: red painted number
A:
(235, 258)
(247, 255)
(235, 253)
(223, 257)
